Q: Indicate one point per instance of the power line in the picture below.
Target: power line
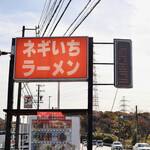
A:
(60, 17)
(51, 18)
(42, 12)
(47, 12)
(84, 18)
(28, 91)
(56, 17)
(77, 17)
(114, 99)
(52, 12)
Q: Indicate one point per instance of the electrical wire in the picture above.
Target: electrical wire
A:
(77, 17)
(48, 12)
(48, 15)
(42, 14)
(114, 99)
(29, 92)
(83, 14)
(42, 21)
(60, 17)
(50, 28)
(84, 18)
(51, 18)
(87, 9)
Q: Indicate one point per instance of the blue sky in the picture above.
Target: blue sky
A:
(111, 19)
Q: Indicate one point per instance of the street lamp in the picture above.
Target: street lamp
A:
(4, 53)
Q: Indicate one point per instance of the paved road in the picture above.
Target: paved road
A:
(95, 148)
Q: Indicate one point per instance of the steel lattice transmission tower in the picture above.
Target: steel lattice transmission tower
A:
(95, 91)
(124, 105)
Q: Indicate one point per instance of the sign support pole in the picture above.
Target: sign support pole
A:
(38, 100)
(10, 101)
(18, 105)
(58, 105)
(90, 94)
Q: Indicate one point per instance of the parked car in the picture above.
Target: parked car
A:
(141, 146)
(116, 146)
(99, 143)
(93, 142)
(25, 146)
(85, 143)
(84, 140)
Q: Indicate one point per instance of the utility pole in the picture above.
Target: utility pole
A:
(137, 131)
(119, 128)
(39, 98)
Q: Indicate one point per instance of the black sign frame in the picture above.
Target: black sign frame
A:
(123, 63)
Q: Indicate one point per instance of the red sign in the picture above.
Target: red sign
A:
(50, 115)
(51, 58)
(28, 101)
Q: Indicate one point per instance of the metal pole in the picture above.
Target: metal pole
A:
(28, 127)
(137, 131)
(119, 128)
(18, 117)
(22, 133)
(38, 102)
(10, 101)
(58, 95)
(23, 31)
(90, 94)
(18, 105)
(49, 101)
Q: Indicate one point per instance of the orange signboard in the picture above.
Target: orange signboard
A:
(53, 58)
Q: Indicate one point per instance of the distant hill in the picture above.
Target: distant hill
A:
(118, 124)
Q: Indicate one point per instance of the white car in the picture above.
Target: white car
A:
(99, 143)
(141, 146)
(116, 146)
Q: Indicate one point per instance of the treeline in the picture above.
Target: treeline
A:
(110, 126)
(2, 124)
